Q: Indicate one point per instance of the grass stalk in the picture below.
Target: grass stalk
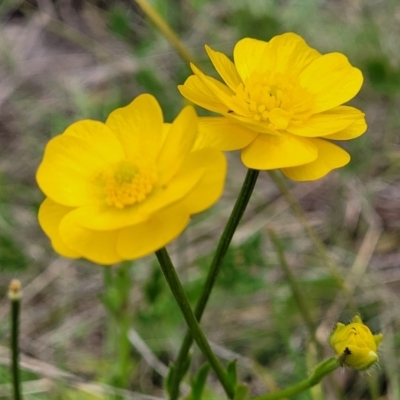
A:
(295, 288)
(14, 295)
(165, 29)
(319, 245)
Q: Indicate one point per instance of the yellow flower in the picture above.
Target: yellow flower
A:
(126, 188)
(355, 345)
(281, 103)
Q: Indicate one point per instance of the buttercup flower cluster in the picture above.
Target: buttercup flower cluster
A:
(281, 103)
(124, 189)
(355, 345)
(127, 187)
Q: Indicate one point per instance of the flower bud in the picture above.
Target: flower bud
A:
(355, 345)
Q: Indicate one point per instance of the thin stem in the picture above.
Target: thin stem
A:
(295, 288)
(14, 295)
(319, 372)
(223, 245)
(176, 287)
(170, 35)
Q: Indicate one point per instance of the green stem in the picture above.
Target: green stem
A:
(319, 372)
(223, 245)
(15, 298)
(198, 335)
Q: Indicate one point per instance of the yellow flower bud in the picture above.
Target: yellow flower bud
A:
(354, 344)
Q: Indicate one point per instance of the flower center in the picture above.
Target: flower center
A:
(127, 184)
(275, 98)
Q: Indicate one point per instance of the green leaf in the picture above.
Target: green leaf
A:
(231, 371)
(199, 381)
(242, 392)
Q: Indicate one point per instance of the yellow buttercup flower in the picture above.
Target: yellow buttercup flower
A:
(282, 103)
(355, 345)
(125, 188)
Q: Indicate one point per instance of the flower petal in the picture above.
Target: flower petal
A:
(71, 163)
(199, 93)
(96, 246)
(145, 238)
(223, 93)
(248, 56)
(327, 122)
(210, 187)
(50, 216)
(287, 53)
(223, 134)
(225, 67)
(332, 80)
(178, 143)
(272, 151)
(251, 124)
(139, 127)
(330, 157)
(355, 130)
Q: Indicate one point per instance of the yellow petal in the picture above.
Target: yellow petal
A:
(360, 358)
(330, 157)
(251, 124)
(71, 163)
(178, 143)
(96, 246)
(173, 191)
(272, 151)
(145, 238)
(50, 216)
(197, 92)
(102, 217)
(328, 122)
(287, 53)
(248, 55)
(355, 130)
(210, 187)
(223, 134)
(332, 80)
(139, 127)
(225, 68)
(223, 93)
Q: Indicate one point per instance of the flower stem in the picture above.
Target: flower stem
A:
(198, 335)
(223, 245)
(14, 295)
(163, 27)
(319, 372)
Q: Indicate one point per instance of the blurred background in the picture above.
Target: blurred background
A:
(65, 60)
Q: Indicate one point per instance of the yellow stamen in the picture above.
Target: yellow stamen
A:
(275, 98)
(127, 184)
